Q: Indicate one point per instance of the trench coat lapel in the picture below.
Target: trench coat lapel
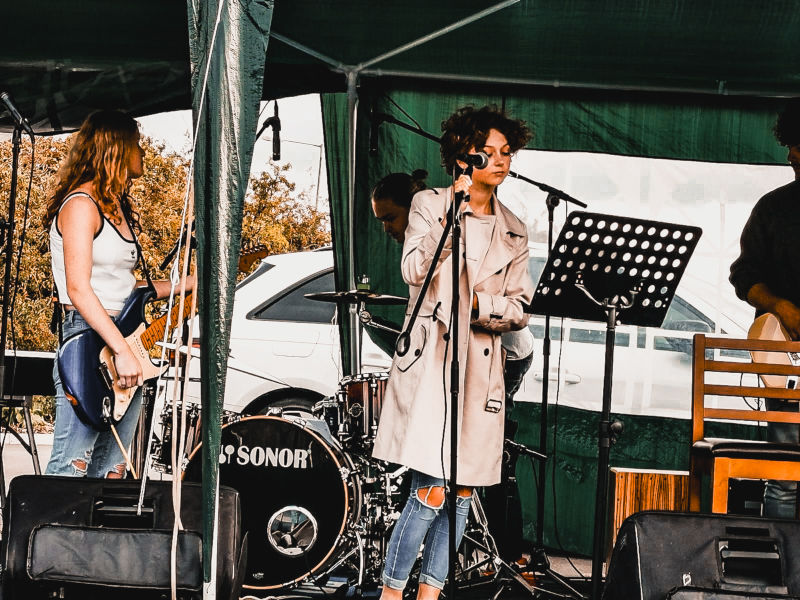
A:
(507, 234)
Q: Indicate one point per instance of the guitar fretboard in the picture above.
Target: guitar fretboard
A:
(155, 331)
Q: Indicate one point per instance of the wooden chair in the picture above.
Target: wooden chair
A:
(725, 459)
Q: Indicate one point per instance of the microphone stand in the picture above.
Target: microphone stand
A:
(403, 345)
(455, 261)
(539, 557)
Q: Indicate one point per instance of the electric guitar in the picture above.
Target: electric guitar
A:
(768, 327)
(86, 365)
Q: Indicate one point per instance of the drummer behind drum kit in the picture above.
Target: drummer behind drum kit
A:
(318, 508)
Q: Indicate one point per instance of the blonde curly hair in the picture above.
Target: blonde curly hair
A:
(100, 153)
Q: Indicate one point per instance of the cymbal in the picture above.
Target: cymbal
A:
(356, 297)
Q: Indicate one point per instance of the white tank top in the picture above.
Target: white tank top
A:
(113, 261)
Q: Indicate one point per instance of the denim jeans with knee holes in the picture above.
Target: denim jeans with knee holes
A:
(73, 441)
(420, 521)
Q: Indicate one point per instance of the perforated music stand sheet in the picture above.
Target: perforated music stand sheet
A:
(615, 255)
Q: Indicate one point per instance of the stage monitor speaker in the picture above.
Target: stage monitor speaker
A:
(692, 556)
(70, 537)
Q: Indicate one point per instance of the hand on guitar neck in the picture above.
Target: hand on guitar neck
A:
(768, 327)
(786, 311)
(789, 316)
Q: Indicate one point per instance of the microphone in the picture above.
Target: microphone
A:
(275, 122)
(374, 126)
(276, 134)
(21, 121)
(479, 160)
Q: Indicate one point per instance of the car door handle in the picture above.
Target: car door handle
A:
(571, 378)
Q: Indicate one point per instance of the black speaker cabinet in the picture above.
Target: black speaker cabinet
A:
(69, 537)
(692, 556)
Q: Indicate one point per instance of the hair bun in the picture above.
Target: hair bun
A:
(419, 175)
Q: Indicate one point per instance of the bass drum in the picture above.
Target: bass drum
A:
(298, 492)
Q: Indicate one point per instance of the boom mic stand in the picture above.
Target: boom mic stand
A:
(541, 563)
(403, 346)
(554, 196)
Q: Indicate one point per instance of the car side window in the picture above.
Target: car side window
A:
(292, 305)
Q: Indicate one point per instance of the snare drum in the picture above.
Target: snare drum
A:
(360, 398)
(298, 491)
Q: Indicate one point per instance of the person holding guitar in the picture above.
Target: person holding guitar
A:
(767, 275)
(92, 224)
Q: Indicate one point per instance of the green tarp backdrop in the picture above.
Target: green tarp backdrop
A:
(693, 80)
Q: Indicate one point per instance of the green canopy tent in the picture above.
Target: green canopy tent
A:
(687, 80)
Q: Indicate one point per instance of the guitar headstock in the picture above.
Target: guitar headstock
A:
(251, 253)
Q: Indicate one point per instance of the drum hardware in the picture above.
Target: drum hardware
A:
(479, 556)
(366, 318)
(161, 449)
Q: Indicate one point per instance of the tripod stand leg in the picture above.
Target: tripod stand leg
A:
(26, 412)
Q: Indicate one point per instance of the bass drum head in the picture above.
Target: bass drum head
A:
(295, 496)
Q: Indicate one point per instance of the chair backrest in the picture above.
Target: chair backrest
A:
(748, 386)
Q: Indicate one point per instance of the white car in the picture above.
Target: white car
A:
(284, 348)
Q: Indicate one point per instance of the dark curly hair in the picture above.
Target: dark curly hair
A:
(400, 187)
(469, 127)
(787, 127)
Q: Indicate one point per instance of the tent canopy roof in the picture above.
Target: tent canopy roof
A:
(135, 55)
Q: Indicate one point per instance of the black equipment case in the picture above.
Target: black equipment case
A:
(69, 537)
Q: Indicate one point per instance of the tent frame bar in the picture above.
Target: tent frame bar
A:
(720, 90)
(336, 64)
(438, 33)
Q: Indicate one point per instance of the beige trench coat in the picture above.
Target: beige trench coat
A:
(414, 425)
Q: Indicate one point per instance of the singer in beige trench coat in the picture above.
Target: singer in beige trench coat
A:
(414, 425)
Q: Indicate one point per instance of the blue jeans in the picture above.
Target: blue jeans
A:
(418, 519)
(78, 449)
(780, 497)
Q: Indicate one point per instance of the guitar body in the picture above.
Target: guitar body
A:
(768, 327)
(86, 365)
(81, 368)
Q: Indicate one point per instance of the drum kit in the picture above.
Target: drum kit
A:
(317, 507)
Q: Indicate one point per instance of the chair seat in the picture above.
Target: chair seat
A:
(746, 449)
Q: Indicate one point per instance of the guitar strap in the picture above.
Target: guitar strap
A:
(58, 315)
(126, 207)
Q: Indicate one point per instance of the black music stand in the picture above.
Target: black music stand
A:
(615, 270)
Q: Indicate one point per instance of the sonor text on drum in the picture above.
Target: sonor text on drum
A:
(287, 458)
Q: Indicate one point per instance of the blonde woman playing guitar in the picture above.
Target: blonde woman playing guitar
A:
(93, 255)
(767, 275)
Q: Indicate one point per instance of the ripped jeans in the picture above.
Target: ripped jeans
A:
(420, 517)
(78, 449)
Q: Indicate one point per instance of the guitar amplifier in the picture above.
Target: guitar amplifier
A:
(69, 537)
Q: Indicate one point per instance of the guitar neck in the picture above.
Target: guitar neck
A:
(155, 331)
